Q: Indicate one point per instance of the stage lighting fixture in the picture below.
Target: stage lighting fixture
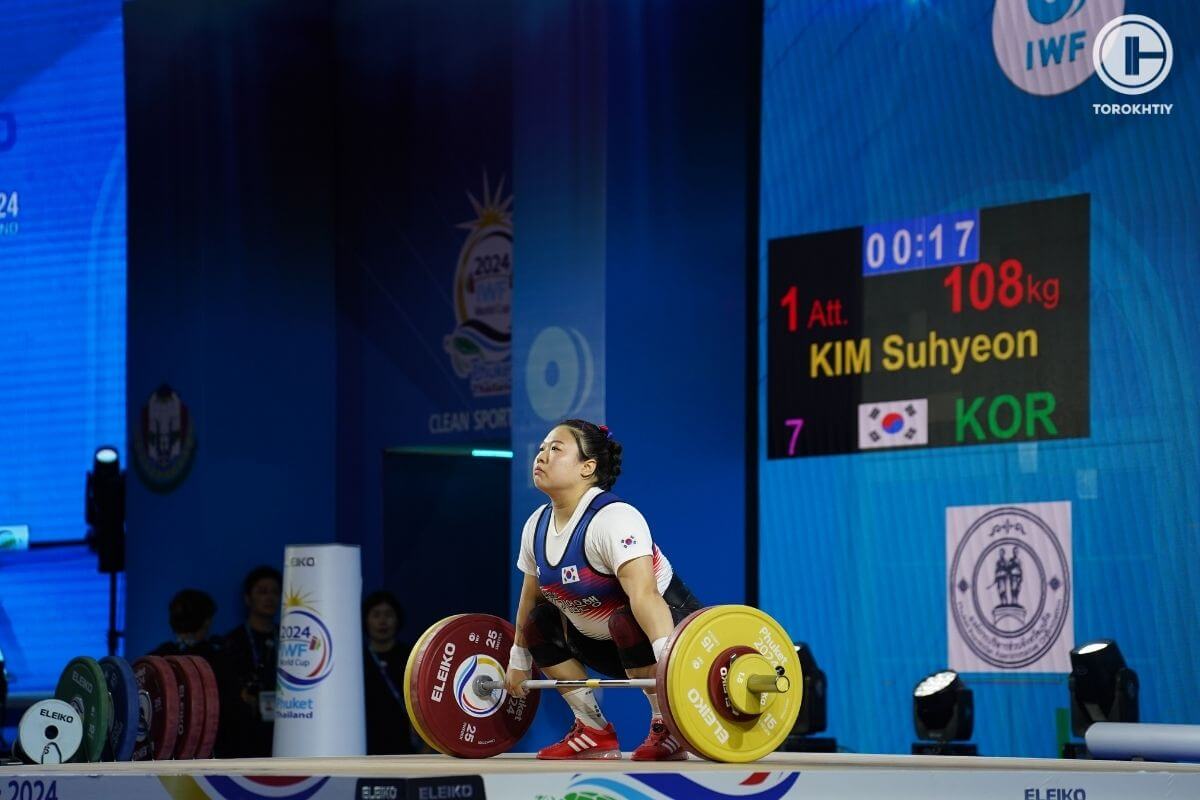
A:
(944, 714)
(1103, 688)
(812, 706)
(105, 509)
(812, 717)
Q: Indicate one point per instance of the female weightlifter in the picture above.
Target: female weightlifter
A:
(597, 591)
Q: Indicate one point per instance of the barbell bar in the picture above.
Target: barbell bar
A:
(756, 683)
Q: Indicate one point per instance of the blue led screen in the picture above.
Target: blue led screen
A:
(978, 353)
(62, 291)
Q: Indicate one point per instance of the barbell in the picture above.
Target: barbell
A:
(729, 685)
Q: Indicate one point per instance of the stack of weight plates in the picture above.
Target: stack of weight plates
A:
(107, 710)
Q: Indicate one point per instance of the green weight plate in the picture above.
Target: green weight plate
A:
(82, 685)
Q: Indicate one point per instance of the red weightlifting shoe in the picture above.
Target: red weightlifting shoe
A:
(583, 741)
(660, 745)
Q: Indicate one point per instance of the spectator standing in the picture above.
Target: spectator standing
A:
(248, 683)
(388, 728)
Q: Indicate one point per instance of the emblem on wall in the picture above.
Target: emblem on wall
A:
(1044, 46)
(1009, 583)
(480, 347)
(164, 440)
(559, 373)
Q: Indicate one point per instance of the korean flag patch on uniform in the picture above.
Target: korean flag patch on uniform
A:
(570, 574)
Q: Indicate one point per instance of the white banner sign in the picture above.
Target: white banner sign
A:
(1009, 581)
(319, 699)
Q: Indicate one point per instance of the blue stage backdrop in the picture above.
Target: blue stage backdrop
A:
(424, 260)
(62, 285)
(231, 293)
(630, 149)
(978, 360)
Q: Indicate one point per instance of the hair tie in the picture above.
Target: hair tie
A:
(604, 429)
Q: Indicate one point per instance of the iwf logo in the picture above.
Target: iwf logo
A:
(1043, 46)
(305, 644)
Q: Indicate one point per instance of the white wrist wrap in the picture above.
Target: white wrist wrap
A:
(520, 658)
(658, 645)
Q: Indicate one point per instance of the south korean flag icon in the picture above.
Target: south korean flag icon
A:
(570, 574)
(894, 423)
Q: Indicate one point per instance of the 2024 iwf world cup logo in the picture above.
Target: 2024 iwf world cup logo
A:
(1010, 586)
(480, 347)
(305, 644)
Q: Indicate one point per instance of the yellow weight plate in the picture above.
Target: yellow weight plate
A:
(409, 668)
(692, 654)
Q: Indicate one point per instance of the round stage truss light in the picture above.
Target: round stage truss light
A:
(943, 708)
(812, 717)
(1103, 688)
(104, 509)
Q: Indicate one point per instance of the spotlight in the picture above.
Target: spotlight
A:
(1103, 688)
(812, 709)
(105, 509)
(944, 715)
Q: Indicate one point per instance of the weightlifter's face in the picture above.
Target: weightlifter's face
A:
(558, 464)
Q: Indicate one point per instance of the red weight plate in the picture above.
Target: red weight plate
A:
(212, 707)
(461, 722)
(411, 688)
(718, 678)
(158, 709)
(664, 696)
(191, 706)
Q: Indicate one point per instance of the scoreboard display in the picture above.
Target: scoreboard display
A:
(949, 329)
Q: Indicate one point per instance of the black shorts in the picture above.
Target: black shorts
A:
(553, 639)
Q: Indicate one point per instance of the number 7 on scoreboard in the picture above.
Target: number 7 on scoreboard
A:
(795, 424)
